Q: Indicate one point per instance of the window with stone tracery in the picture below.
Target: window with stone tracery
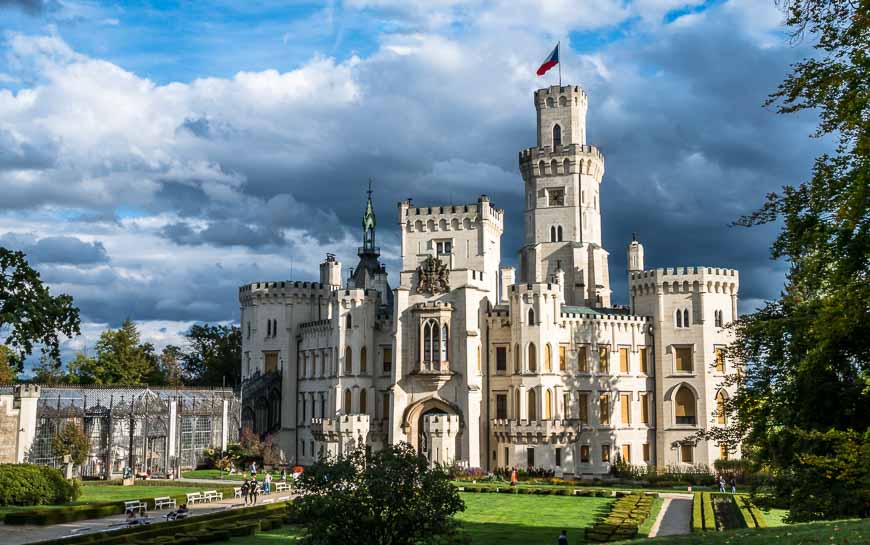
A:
(435, 342)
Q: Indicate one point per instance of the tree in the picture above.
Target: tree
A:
(170, 364)
(391, 497)
(120, 359)
(213, 355)
(50, 371)
(7, 373)
(71, 441)
(805, 380)
(29, 314)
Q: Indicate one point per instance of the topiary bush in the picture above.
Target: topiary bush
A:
(28, 484)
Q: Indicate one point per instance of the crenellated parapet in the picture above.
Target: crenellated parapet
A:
(456, 217)
(348, 429)
(290, 291)
(533, 432)
(684, 280)
(571, 159)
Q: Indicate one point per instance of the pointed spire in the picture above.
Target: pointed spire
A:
(369, 223)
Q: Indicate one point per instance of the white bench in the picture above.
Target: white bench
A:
(213, 495)
(237, 492)
(135, 505)
(194, 497)
(281, 487)
(165, 501)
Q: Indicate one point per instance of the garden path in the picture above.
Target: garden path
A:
(675, 516)
(30, 533)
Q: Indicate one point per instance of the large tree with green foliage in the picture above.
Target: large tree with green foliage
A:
(804, 391)
(121, 358)
(8, 374)
(29, 314)
(213, 355)
(390, 497)
(72, 441)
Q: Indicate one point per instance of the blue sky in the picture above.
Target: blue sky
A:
(156, 155)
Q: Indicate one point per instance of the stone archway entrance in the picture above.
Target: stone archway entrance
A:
(433, 427)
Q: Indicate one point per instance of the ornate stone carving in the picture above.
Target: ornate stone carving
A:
(432, 277)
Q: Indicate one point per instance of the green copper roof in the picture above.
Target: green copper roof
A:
(369, 217)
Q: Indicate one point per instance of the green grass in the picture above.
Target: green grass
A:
(843, 532)
(109, 493)
(643, 529)
(508, 519)
(284, 536)
(775, 517)
(217, 473)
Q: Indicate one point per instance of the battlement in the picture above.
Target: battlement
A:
(433, 305)
(284, 289)
(548, 289)
(684, 280)
(572, 93)
(545, 161)
(570, 313)
(315, 325)
(536, 431)
(26, 390)
(357, 296)
(450, 217)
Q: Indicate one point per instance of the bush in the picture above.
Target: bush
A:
(626, 515)
(709, 513)
(697, 513)
(28, 484)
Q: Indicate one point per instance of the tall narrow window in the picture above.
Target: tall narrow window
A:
(604, 409)
(444, 343)
(685, 317)
(533, 406)
(584, 454)
(605, 453)
(583, 408)
(385, 406)
(500, 359)
(626, 453)
(552, 233)
(533, 358)
(548, 405)
(363, 361)
(516, 404)
(348, 400)
(563, 358)
(388, 360)
(348, 321)
(268, 328)
(517, 359)
(348, 361)
(582, 360)
(602, 360)
(684, 407)
(432, 342)
(720, 408)
(723, 452)
(679, 318)
(644, 362)
(720, 360)
(559, 234)
(531, 316)
(623, 360)
(478, 359)
(625, 409)
(646, 452)
(548, 355)
(363, 401)
(644, 408)
(501, 406)
(557, 135)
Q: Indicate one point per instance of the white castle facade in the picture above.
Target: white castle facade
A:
(475, 363)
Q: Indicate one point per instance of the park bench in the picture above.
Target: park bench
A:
(164, 501)
(281, 487)
(213, 495)
(237, 492)
(194, 497)
(135, 505)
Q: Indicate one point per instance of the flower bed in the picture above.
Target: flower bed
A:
(626, 515)
(507, 489)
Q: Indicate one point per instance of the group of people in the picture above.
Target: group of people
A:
(732, 483)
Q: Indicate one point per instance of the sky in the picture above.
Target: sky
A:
(155, 156)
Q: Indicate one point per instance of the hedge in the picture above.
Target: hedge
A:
(709, 513)
(29, 484)
(538, 491)
(626, 515)
(73, 513)
(752, 516)
(697, 513)
(218, 526)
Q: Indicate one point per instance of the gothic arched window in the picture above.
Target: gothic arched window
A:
(685, 317)
(348, 400)
(679, 318)
(348, 361)
(559, 234)
(516, 358)
(533, 358)
(348, 322)
(557, 135)
(552, 233)
(363, 402)
(431, 341)
(444, 344)
(531, 316)
(684, 410)
(363, 363)
(533, 406)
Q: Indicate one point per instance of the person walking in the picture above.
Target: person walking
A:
(246, 490)
(267, 483)
(255, 491)
(253, 470)
(514, 477)
(563, 538)
(721, 483)
(733, 485)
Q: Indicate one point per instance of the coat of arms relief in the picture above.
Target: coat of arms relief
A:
(432, 277)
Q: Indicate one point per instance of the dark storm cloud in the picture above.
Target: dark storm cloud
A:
(32, 7)
(60, 249)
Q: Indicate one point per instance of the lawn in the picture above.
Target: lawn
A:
(285, 536)
(218, 474)
(843, 532)
(506, 519)
(644, 528)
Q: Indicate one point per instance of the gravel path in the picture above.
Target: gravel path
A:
(675, 516)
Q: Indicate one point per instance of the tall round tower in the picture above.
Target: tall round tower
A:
(562, 176)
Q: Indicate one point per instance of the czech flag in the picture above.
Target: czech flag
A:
(551, 61)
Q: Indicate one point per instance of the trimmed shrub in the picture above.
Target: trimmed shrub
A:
(626, 515)
(697, 513)
(29, 484)
(709, 513)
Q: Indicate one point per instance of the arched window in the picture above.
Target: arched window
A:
(685, 317)
(516, 358)
(516, 404)
(559, 233)
(348, 323)
(548, 354)
(363, 402)
(431, 341)
(548, 405)
(551, 102)
(552, 233)
(533, 358)
(679, 315)
(363, 361)
(720, 408)
(566, 166)
(348, 400)
(531, 316)
(348, 361)
(268, 328)
(563, 101)
(557, 135)
(533, 406)
(541, 167)
(444, 343)
(554, 167)
(684, 406)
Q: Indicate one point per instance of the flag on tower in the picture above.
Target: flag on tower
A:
(551, 61)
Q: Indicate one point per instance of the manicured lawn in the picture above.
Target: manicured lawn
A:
(644, 528)
(285, 536)
(519, 519)
(774, 517)
(218, 474)
(843, 532)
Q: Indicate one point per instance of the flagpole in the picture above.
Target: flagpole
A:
(559, 53)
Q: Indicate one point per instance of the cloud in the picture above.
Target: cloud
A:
(56, 249)
(31, 7)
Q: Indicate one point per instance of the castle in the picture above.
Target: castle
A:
(474, 363)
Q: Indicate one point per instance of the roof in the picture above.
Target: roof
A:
(589, 311)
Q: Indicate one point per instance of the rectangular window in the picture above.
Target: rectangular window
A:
(623, 360)
(388, 360)
(566, 406)
(385, 406)
(723, 452)
(644, 360)
(582, 360)
(583, 406)
(683, 360)
(644, 408)
(626, 453)
(720, 360)
(530, 457)
(501, 359)
(625, 408)
(271, 362)
(563, 358)
(584, 454)
(501, 406)
(444, 247)
(604, 409)
(605, 454)
(646, 452)
(602, 360)
(686, 454)
(558, 457)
